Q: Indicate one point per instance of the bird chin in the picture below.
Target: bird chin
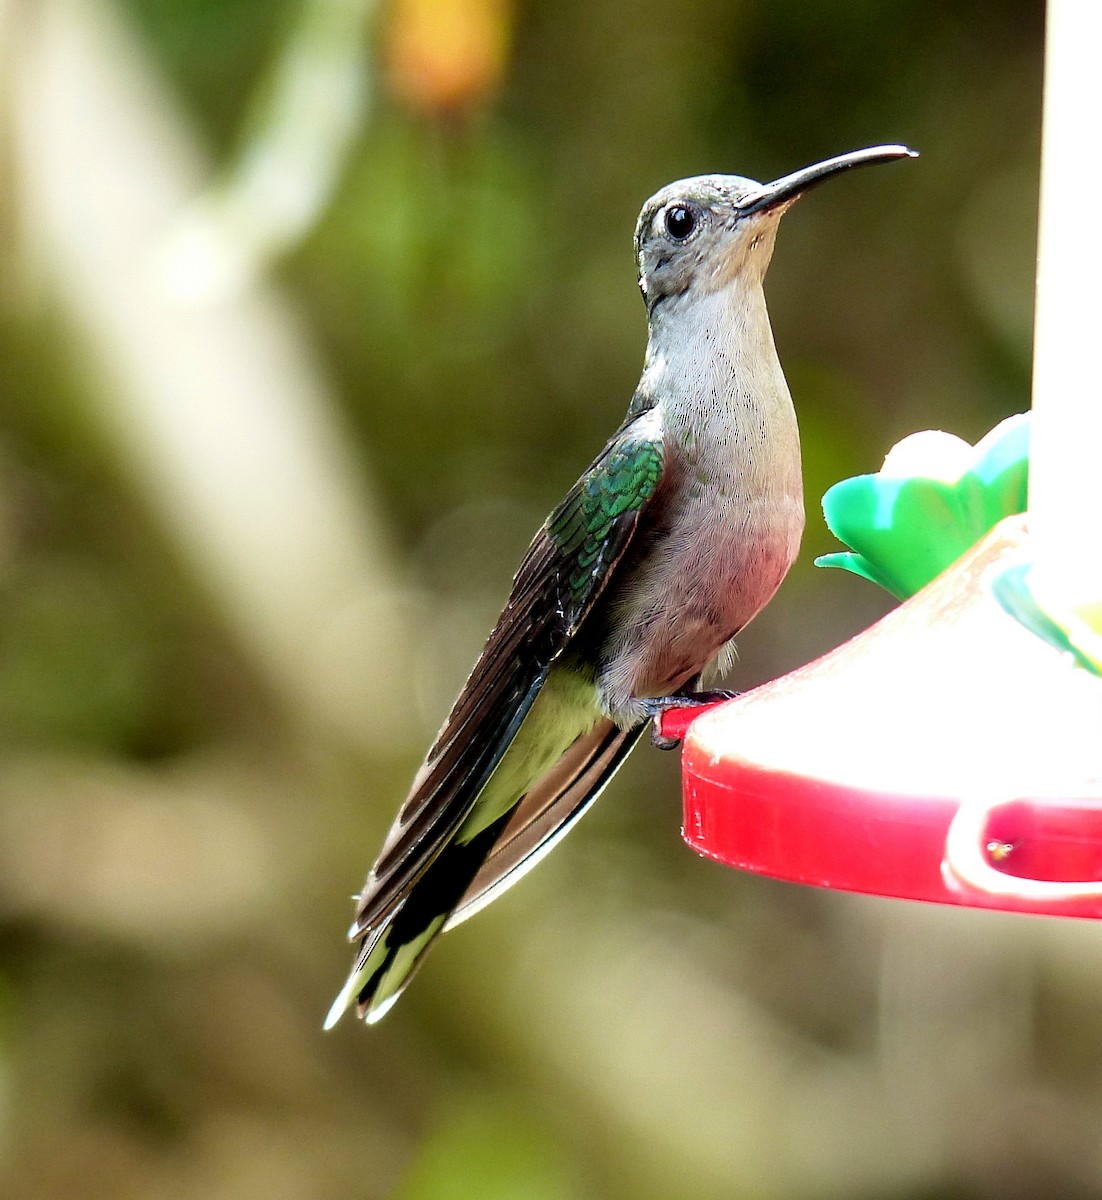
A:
(751, 248)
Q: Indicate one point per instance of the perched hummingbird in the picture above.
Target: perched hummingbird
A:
(669, 544)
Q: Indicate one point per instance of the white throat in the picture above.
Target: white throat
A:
(711, 359)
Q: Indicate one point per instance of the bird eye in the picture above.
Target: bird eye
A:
(680, 222)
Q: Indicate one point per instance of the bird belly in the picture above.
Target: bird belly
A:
(694, 588)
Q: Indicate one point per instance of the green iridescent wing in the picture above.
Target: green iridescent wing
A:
(592, 526)
(562, 575)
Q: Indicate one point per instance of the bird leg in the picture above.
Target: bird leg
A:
(655, 706)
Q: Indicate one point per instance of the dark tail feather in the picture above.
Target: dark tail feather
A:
(465, 877)
(547, 813)
(390, 954)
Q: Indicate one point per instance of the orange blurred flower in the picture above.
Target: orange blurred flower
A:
(447, 54)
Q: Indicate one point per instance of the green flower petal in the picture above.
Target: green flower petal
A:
(905, 531)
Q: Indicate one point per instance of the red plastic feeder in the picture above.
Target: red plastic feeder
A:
(945, 754)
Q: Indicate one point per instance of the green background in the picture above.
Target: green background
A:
(181, 825)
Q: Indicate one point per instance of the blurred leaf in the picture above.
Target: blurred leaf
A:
(79, 659)
(214, 50)
(488, 1150)
(997, 255)
(435, 238)
(299, 131)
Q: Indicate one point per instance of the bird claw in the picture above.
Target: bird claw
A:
(656, 706)
(659, 740)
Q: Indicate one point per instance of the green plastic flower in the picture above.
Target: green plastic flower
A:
(932, 500)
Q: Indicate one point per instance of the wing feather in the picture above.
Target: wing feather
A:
(559, 580)
(547, 813)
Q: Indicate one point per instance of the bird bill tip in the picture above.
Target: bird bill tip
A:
(885, 153)
(896, 151)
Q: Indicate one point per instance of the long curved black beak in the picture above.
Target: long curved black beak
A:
(788, 187)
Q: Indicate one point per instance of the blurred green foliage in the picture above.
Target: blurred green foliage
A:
(180, 829)
(491, 1150)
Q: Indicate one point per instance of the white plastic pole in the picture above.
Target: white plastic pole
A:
(1065, 497)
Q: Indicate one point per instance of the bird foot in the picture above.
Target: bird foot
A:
(657, 706)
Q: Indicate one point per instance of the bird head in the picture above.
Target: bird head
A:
(698, 235)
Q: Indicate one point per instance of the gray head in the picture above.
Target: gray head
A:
(700, 234)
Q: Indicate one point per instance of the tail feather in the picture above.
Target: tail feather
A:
(466, 875)
(547, 813)
(391, 952)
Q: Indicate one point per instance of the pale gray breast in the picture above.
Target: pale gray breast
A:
(729, 524)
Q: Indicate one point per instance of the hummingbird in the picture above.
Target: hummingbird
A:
(630, 594)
